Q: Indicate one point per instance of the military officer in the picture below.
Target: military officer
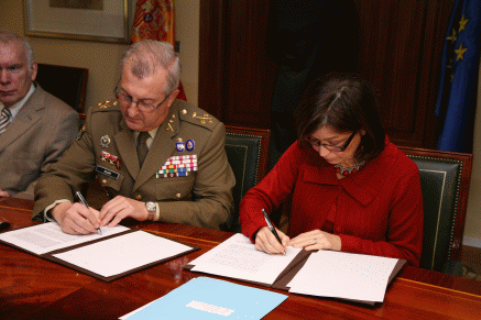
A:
(185, 176)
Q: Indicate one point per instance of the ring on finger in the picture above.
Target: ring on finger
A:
(315, 240)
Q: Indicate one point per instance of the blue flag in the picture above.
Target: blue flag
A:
(456, 104)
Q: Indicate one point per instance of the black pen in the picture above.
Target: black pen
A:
(84, 202)
(271, 226)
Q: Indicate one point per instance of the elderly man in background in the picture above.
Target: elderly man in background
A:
(158, 158)
(35, 127)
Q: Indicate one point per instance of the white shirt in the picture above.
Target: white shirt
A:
(17, 106)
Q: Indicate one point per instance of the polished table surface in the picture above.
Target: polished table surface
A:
(34, 288)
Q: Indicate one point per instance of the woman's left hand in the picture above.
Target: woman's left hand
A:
(316, 240)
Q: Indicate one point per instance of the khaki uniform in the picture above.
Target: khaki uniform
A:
(106, 147)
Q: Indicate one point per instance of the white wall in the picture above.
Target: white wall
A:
(102, 59)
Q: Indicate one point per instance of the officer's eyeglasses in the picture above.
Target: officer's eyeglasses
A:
(142, 105)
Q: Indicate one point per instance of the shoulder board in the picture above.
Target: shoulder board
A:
(109, 105)
(197, 116)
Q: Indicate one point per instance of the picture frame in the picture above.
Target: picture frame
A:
(95, 20)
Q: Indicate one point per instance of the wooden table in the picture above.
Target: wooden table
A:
(33, 288)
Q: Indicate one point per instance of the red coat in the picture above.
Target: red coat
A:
(377, 211)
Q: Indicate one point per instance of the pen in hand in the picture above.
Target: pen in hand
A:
(271, 226)
(84, 202)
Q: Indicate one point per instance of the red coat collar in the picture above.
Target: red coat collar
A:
(364, 185)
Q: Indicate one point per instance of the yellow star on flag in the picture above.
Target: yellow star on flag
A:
(462, 23)
(460, 51)
(453, 37)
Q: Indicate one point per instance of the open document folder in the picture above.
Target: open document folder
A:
(206, 298)
(115, 253)
(238, 258)
(358, 277)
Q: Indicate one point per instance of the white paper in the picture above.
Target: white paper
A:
(238, 258)
(121, 254)
(47, 237)
(344, 275)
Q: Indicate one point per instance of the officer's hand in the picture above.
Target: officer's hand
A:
(4, 194)
(121, 207)
(76, 218)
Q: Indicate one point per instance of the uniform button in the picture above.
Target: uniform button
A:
(138, 197)
(178, 195)
(104, 181)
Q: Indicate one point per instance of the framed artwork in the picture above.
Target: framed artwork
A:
(91, 20)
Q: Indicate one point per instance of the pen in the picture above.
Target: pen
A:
(84, 202)
(271, 226)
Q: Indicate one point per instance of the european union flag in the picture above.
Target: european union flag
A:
(456, 103)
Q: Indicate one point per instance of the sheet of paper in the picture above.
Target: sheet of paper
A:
(206, 298)
(238, 258)
(47, 237)
(344, 275)
(121, 254)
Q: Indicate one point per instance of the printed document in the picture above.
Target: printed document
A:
(47, 237)
(238, 258)
(124, 253)
(344, 275)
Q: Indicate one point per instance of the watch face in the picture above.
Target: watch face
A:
(150, 206)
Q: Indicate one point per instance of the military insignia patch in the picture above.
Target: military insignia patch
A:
(105, 141)
(190, 145)
(111, 159)
(178, 166)
(179, 145)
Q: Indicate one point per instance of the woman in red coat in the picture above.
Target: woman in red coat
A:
(352, 189)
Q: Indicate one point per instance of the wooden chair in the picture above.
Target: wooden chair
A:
(247, 151)
(445, 180)
(66, 83)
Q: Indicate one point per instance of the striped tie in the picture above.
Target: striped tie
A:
(4, 119)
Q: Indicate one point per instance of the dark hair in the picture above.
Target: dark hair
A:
(346, 103)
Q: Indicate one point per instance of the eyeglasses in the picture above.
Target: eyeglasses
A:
(333, 148)
(141, 104)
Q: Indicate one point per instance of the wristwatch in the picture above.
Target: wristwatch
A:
(151, 209)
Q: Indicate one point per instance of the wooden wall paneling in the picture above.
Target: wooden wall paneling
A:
(236, 79)
(211, 57)
(401, 45)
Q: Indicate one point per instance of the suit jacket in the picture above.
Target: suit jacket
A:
(106, 146)
(38, 135)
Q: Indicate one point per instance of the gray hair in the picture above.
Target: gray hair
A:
(144, 57)
(7, 37)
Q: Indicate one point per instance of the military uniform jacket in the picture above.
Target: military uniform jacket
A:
(106, 147)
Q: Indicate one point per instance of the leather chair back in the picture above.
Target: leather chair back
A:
(247, 152)
(445, 184)
(66, 83)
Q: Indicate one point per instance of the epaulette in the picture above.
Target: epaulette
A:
(198, 116)
(106, 106)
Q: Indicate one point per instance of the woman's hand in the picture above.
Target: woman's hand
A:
(316, 240)
(267, 242)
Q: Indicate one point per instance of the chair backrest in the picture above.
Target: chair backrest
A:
(66, 83)
(445, 184)
(247, 151)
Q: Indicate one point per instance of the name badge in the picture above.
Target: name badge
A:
(107, 172)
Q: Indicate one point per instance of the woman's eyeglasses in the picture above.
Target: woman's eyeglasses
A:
(334, 148)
